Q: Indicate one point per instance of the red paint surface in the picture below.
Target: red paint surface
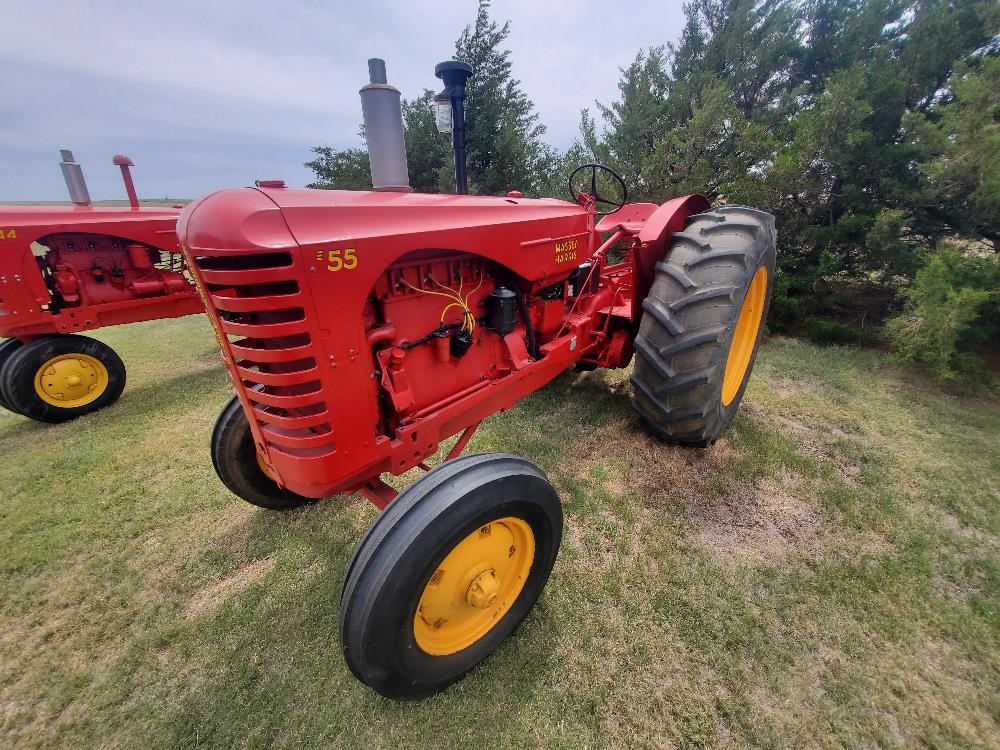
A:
(92, 278)
(321, 349)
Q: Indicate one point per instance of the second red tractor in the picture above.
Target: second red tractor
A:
(66, 270)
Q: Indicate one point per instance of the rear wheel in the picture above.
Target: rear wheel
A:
(447, 571)
(57, 378)
(240, 466)
(7, 349)
(702, 324)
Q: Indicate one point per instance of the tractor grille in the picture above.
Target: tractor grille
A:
(259, 310)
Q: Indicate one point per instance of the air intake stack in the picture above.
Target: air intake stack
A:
(455, 73)
(383, 116)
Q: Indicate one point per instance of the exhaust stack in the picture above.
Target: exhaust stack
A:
(73, 174)
(124, 162)
(383, 116)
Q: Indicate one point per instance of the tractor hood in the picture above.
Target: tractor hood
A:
(233, 216)
(521, 233)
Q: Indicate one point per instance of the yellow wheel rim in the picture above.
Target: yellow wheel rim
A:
(745, 336)
(474, 586)
(71, 380)
(264, 467)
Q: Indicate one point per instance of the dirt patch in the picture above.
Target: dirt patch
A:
(811, 444)
(658, 474)
(764, 521)
(786, 388)
(210, 597)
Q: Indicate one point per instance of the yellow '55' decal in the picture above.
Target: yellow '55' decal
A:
(339, 260)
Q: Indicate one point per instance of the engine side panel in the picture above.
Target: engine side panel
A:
(85, 277)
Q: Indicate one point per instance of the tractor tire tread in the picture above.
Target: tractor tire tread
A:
(688, 322)
(7, 349)
(662, 316)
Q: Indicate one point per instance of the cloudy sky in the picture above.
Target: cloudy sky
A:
(217, 93)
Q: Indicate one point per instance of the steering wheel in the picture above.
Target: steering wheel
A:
(593, 192)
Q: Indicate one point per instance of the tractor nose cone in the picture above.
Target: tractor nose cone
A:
(484, 590)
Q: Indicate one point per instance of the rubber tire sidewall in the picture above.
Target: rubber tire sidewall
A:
(234, 457)
(393, 565)
(7, 349)
(19, 373)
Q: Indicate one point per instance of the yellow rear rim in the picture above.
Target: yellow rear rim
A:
(745, 336)
(474, 586)
(71, 380)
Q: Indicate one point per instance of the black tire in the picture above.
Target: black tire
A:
(404, 548)
(7, 349)
(234, 457)
(689, 320)
(18, 377)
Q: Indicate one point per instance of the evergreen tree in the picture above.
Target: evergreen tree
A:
(345, 169)
(637, 120)
(958, 152)
(503, 135)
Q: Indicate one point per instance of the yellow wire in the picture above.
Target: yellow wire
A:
(468, 317)
(456, 295)
(455, 304)
(472, 318)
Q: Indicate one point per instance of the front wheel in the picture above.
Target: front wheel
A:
(240, 466)
(448, 570)
(7, 349)
(57, 378)
(702, 324)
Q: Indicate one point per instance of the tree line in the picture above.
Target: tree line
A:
(869, 128)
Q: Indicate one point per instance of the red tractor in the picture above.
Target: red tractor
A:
(67, 269)
(362, 329)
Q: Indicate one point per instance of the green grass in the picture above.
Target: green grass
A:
(824, 576)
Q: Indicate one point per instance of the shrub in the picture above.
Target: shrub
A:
(947, 312)
(835, 333)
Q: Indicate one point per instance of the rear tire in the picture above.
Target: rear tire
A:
(7, 349)
(58, 378)
(448, 570)
(234, 457)
(702, 324)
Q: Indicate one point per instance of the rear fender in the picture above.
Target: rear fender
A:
(653, 240)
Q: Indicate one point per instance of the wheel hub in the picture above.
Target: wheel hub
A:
(71, 380)
(484, 590)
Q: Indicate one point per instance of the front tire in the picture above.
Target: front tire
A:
(239, 466)
(7, 349)
(702, 324)
(449, 569)
(58, 378)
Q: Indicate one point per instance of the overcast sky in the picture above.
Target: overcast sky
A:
(218, 93)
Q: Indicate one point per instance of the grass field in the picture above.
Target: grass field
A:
(827, 575)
